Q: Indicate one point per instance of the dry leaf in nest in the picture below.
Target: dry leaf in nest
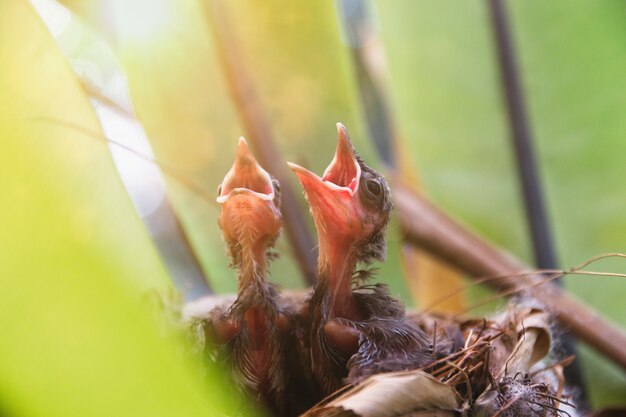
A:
(525, 340)
(392, 394)
(493, 365)
(533, 344)
(521, 396)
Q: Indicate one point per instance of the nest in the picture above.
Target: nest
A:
(502, 370)
(503, 367)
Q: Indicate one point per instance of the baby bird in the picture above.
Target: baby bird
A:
(259, 328)
(356, 330)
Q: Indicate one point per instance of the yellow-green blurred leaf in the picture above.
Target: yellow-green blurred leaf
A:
(76, 261)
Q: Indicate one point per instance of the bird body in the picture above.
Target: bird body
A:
(287, 357)
(257, 332)
(355, 329)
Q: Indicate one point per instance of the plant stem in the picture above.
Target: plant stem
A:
(522, 139)
(434, 231)
(258, 130)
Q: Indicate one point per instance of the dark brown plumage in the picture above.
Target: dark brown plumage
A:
(356, 329)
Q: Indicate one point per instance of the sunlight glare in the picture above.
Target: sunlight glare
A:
(141, 177)
(56, 17)
(141, 19)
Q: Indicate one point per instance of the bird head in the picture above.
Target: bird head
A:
(350, 203)
(250, 206)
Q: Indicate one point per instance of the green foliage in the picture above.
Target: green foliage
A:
(76, 259)
(447, 94)
(77, 339)
(575, 80)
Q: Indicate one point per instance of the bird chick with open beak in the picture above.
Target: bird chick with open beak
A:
(355, 330)
(258, 329)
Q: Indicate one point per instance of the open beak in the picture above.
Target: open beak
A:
(249, 212)
(344, 172)
(246, 177)
(332, 197)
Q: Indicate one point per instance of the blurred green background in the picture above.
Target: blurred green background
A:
(77, 262)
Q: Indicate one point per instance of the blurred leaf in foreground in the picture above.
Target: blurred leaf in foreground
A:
(76, 340)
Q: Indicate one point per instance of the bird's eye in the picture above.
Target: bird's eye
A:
(373, 187)
(374, 192)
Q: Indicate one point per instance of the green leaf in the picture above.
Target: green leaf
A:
(76, 261)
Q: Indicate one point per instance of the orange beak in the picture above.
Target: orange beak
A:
(333, 198)
(247, 196)
(246, 176)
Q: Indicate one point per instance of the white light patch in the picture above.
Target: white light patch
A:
(140, 175)
(56, 17)
(141, 19)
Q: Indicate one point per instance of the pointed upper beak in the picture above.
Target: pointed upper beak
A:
(344, 169)
(246, 176)
(331, 206)
(342, 174)
(314, 186)
(332, 194)
(249, 212)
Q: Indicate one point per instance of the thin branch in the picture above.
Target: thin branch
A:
(369, 63)
(429, 228)
(527, 167)
(169, 171)
(521, 137)
(258, 130)
(550, 272)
